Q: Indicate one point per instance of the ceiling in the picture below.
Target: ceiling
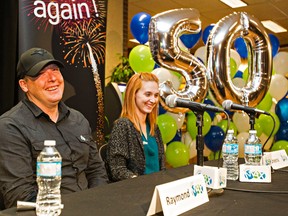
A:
(211, 11)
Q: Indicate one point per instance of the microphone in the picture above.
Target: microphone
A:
(174, 101)
(228, 104)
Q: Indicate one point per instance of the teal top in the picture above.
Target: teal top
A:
(151, 152)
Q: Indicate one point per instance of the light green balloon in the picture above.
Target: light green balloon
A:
(266, 123)
(214, 155)
(223, 125)
(140, 59)
(266, 102)
(168, 127)
(192, 127)
(258, 128)
(279, 145)
(233, 68)
(245, 75)
(177, 154)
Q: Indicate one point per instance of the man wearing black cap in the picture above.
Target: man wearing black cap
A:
(40, 116)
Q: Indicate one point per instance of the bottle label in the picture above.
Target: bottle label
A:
(230, 148)
(47, 169)
(253, 149)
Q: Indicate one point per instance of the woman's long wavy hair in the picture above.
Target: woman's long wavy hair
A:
(129, 104)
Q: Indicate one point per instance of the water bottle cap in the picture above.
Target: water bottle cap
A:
(253, 131)
(230, 131)
(49, 142)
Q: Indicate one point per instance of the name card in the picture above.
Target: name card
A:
(249, 173)
(277, 159)
(215, 177)
(179, 196)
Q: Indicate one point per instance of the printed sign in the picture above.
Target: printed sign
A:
(179, 196)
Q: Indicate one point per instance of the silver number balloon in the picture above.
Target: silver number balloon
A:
(220, 40)
(164, 32)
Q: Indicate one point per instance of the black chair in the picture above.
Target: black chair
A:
(112, 105)
(102, 151)
(2, 206)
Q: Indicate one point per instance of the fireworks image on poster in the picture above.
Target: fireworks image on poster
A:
(75, 41)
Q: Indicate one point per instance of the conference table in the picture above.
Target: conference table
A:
(132, 197)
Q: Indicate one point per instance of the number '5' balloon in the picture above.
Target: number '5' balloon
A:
(220, 42)
(164, 31)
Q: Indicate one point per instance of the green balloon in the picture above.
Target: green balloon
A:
(258, 128)
(223, 125)
(233, 68)
(279, 145)
(245, 75)
(168, 127)
(214, 155)
(140, 59)
(192, 127)
(266, 123)
(266, 102)
(177, 154)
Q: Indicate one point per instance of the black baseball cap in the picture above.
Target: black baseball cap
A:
(33, 61)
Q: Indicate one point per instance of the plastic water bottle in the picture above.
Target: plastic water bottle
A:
(49, 164)
(253, 149)
(230, 152)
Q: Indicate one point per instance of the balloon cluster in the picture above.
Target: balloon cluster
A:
(140, 57)
(265, 90)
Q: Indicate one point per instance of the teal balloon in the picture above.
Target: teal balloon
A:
(279, 145)
(168, 127)
(281, 109)
(177, 154)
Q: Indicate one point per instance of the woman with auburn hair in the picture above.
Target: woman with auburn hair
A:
(135, 146)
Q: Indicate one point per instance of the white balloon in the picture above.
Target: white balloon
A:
(162, 74)
(179, 118)
(190, 143)
(263, 137)
(217, 119)
(201, 53)
(235, 55)
(241, 121)
(280, 63)
(278, 86)
(176, 82)
(239, 82)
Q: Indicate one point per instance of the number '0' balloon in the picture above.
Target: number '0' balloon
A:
(219, 43)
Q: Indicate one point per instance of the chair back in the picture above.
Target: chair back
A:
(102, 151)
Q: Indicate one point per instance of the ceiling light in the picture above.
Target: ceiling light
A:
(234, 3)
(274, 27)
